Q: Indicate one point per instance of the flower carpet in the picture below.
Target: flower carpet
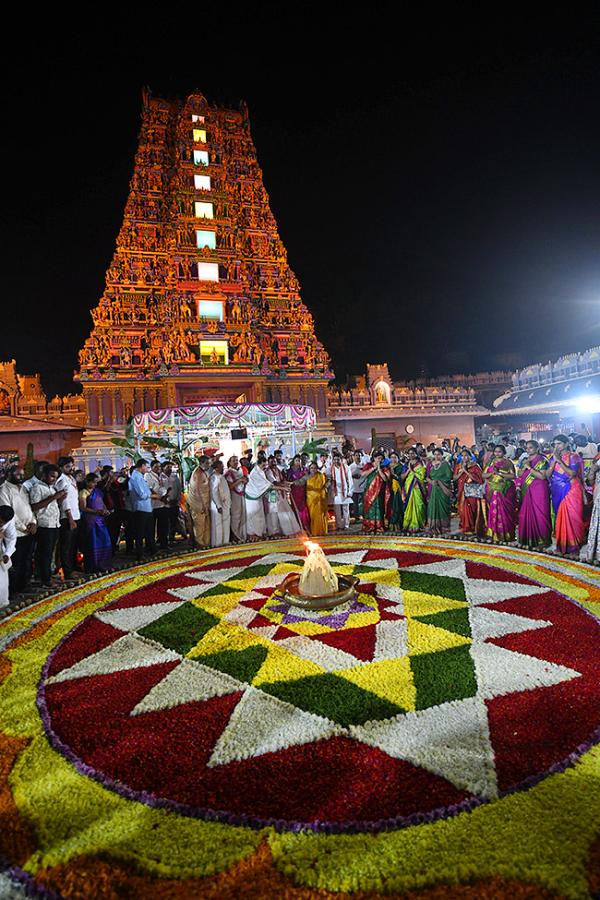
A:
(177, 730)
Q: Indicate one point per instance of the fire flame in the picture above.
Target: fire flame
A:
(311, 545)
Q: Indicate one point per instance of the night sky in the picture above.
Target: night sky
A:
(438, 191)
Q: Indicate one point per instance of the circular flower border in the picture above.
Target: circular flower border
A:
(544, 835)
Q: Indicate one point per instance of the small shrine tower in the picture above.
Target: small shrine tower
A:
(200, 302)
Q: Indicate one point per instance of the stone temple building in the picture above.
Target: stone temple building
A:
(52, 427)
(200, 301)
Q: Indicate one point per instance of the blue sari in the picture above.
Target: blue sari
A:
(97, 545)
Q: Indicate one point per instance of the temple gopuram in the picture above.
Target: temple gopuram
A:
(200, 301)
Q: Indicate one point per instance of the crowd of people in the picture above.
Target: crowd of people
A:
(538, 494)
(62, 523)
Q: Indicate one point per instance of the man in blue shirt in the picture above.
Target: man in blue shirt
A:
(141, 505)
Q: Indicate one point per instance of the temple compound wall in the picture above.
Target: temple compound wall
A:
(379, 410)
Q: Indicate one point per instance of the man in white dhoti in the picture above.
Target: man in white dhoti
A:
(237, 482)
(281, 518)
(341, 488)
(257, 491)
(8, 543)
(220, 507)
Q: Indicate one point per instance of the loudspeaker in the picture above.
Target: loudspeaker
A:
(237, 434)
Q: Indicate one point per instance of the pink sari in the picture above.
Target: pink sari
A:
(535, 526)
(299, 496)
(501, 500)
(567, 498)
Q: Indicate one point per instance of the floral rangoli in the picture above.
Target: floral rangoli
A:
(181, 723)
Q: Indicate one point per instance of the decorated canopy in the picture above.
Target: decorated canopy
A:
(216, 423)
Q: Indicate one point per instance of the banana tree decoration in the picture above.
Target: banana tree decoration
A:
(313, 448)
(131, 446)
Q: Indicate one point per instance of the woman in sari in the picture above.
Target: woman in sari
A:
(501, 497)
(415, 495)
(439, 505)
(297, 475)
(376, 495)
(97, 543)
(535, 526)
(593, 545)
(471, 500)
(396, 514)
(281, 518)
(316, 500)
(566, 490)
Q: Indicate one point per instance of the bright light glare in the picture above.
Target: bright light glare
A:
(311, 545)
(590, 404)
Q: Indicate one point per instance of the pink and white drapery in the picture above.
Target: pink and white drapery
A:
(243, 413)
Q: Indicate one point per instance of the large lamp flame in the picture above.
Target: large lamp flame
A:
(317, 578)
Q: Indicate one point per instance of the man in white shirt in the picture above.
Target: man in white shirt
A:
(281, 460)
(13, 494)
(69, 517)
(44, 502)
(8, 540)
(157, 482)
(341, 488)
(220, 507)
(358, 484)
(38, 469)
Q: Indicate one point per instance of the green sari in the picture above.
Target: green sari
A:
(439, 506)
(415, 508)
(375, 502)
(397, 514)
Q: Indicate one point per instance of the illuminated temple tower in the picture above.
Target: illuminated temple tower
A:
(200, 302)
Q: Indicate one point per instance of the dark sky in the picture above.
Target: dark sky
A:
(437, 188)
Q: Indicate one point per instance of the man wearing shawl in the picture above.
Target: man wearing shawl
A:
(237, 481)
(199, 502)
(220, 506)
(535, 526)
(566, 489)
(281, 518)
(341, 487)
(257, 491)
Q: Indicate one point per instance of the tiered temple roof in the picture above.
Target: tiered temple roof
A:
(200, 301)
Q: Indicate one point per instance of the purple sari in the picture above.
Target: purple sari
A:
(298, 492)
(501, 499)
(535, 526)
(97, 544)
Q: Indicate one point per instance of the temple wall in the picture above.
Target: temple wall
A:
(48, 445)
(426, 428)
